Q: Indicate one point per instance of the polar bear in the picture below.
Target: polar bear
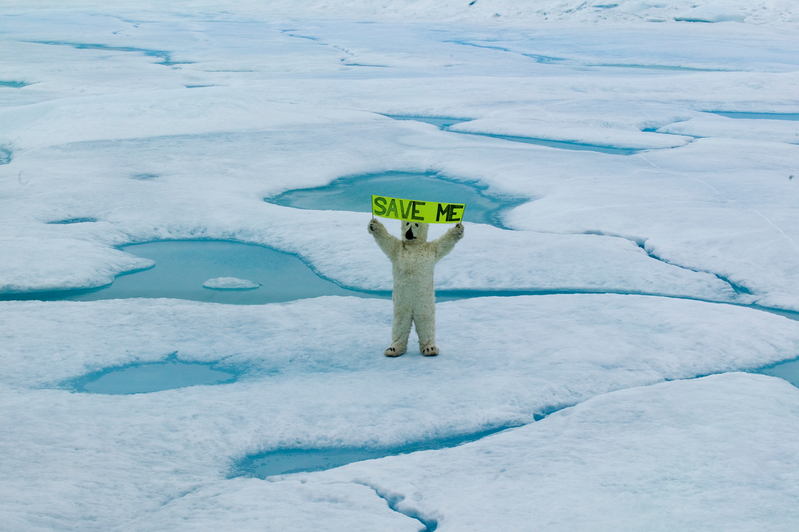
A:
(413, 260)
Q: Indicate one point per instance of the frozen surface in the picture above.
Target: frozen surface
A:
(316, 378)
(713, 454)
(527, 135)
(129, 123)
(758, 116)
(755, 129)
(498, 12)
(230, 283)
(440, 122)
(137, 156)
(621, 141)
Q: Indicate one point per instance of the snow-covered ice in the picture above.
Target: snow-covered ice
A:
(717, 453)
(504, 362)
(653, 265)
(230, 283)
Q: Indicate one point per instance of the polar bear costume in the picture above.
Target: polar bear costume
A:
(413, 260)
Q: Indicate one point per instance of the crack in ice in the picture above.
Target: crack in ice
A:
(641, 243)
(161, 54)
(537, 57)
(711, 187)
(394, 500)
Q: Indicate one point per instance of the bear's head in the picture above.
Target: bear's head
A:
(413, 232)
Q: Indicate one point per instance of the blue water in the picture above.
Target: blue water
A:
(151, 377)
(394, 499)
(538, 58)
(439, 122)
(364, 65)
(163, 55)
(287, 461)
(658, 67)
(5, 156)
(13, 84)
(785, 370)
(355, 194)
(144, 177)
(74, 221)
(560, 144)
(181, 268)
(757, 116)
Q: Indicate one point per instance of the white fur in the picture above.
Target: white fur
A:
(413, 260)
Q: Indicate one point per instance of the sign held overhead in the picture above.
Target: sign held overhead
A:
(429, 212)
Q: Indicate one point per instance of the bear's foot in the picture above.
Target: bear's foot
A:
(394, 351)
(430, 351)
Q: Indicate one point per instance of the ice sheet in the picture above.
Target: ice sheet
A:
(498, 12)
(230, 283)
(736, 128)
(157, 160)
(335, 243)
(713, 454)
(315, 376)
(503, 360)
(599, 135)
(127, 123)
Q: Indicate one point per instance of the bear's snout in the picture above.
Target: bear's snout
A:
(409, 234)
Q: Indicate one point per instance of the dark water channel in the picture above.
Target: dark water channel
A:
(439, 122)
(785, 370)
(287, 461)
(757, 116)
(445, 123)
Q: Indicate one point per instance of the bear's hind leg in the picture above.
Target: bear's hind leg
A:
(400, 330)
(426, 329)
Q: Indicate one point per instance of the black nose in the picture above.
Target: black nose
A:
(409, 235)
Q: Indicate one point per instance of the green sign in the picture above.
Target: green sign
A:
(430, 212)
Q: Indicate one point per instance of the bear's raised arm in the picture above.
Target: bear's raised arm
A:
(388, 243)
(445, 244)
